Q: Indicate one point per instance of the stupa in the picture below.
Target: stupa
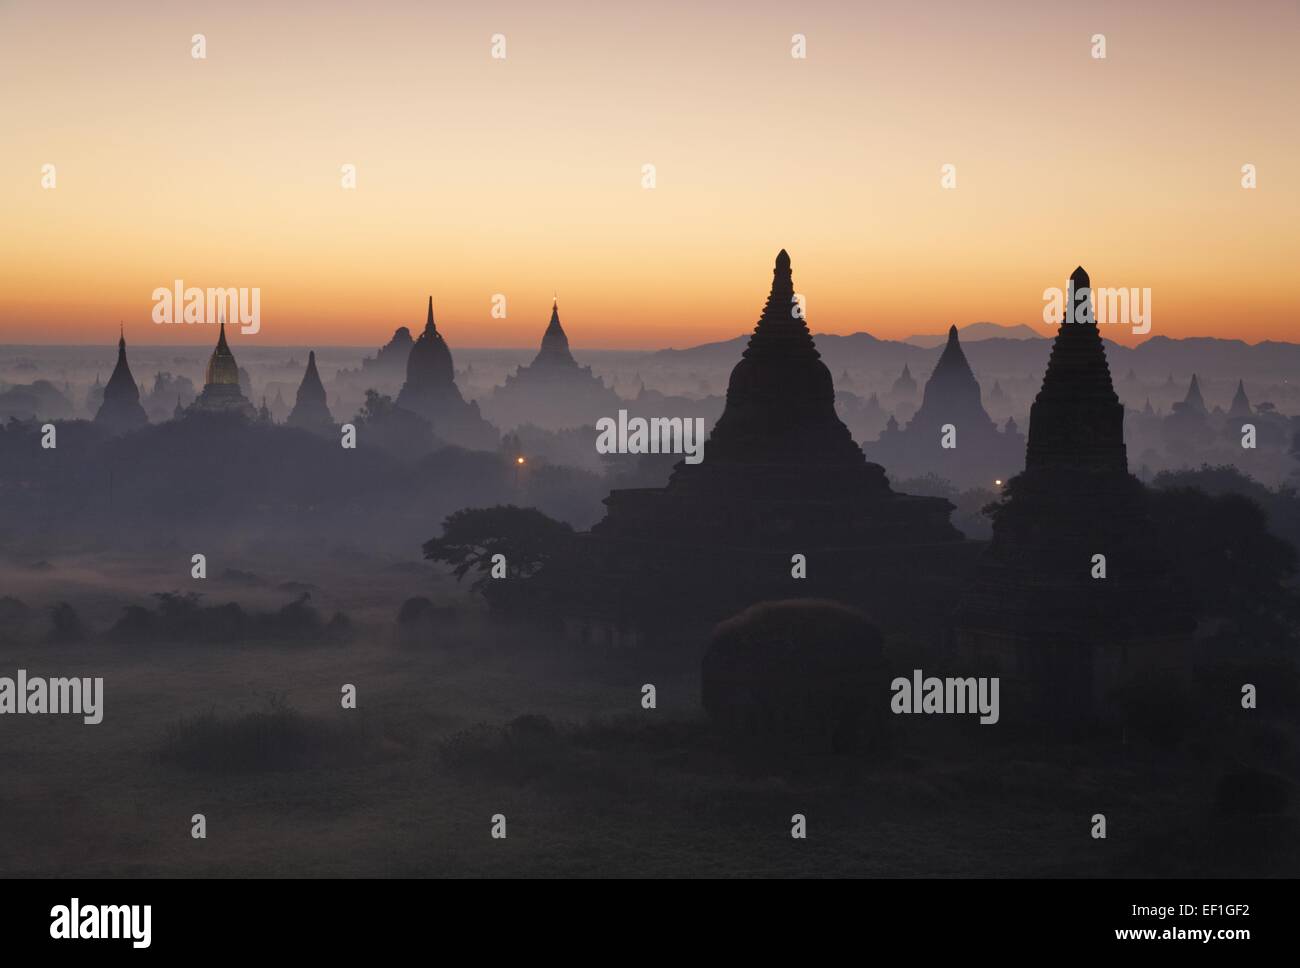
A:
(780, 474)
(1240, 407)
(430, 391)
(951, 434)
(905, 386)
(221, 390)
(121, 410)
(1040, 609)
(310, 411)
(553, 391)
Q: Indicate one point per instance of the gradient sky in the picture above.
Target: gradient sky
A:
(478, 176)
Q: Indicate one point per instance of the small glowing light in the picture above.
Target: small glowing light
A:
(519, 460)
(998, 482)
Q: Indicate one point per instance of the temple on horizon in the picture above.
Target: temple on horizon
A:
(430, 391)
(310, 410)
(1062, 625)
(951, 434)
(121, 409)
(222, 393)
(780, 476)
(554, 390)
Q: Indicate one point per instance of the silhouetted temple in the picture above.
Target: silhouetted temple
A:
(392, 356)
(905, 385)
(1240, 403)
(310, 411)
(121, 409)
(430, 390)
(554, 390)
(951, 434)
(1044, 608)
(221, 390)
(780, 475)
(1193, 403)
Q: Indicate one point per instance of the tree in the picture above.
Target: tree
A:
(473, 536)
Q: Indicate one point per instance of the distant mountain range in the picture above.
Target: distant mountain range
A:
(1154, 359)
(980, 331)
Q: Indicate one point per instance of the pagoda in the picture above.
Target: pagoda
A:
(222, 393)
(310, 411)
(554, 390)
(121, 409)
(780, 474)
(1039, 608)
(430, 391)
(905, 386)
(951, 434)
(1193, 403)
(1240, 408)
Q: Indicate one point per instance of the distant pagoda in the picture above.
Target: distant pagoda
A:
(392, 356)
(310, 411)
(905, 386)
(554, 390)
(1240, 403)
(221, 390)
(1035, 607)
(1193, 403)
(430, 390)
(121, 410)
(951, 410)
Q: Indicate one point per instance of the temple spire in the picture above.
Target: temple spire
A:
(1240, 402)
(1077, 418)
(429, 326)
(1194, 401)
(555, 343)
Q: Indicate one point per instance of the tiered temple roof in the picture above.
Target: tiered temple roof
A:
(221, 390)
(1077, 418)
(554, 390)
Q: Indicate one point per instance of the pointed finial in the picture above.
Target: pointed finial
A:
(428, 322)
(1080, 278)
(783, 261)
(952, 333)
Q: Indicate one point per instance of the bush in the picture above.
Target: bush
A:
(66, 626)
(418, 621)
(276, 738)
(801, 672)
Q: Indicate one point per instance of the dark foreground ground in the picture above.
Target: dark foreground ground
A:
(490, 719)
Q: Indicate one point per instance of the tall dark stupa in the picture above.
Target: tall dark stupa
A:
(121, 409)
(779, 475)
(1070, 581)
(430, 390)
(310, 410)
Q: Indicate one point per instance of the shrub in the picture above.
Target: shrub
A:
(801, 672)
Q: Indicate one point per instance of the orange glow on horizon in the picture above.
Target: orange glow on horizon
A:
(521, 177)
